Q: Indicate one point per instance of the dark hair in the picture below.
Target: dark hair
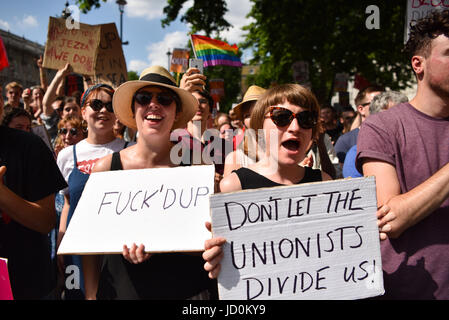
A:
(207, 96)
(363, 92)
(425, 30)
(14, 113)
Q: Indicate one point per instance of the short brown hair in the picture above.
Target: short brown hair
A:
(292, 93)
(363, 92)
(12, 85)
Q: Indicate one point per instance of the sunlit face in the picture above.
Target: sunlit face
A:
(21, 123)
(225, 131)
(246, 113)
(13, 96)
(203, 111)
(154, 117)
(292, 140)
(37, 95)
(101, 121)
(71, 109)
(70, 135)
(436, 71)
(363, 108)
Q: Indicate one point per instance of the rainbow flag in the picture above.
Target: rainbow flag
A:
(215, 52)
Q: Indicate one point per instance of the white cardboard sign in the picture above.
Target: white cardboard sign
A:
(308, 241)
(164, 208)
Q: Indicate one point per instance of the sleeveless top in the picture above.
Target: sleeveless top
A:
(163, 276)
(250, 179)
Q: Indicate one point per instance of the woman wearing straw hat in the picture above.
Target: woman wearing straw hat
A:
(76, 163)
(155, 106)
(244, 152)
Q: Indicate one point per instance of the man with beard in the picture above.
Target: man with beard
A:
(406, 148)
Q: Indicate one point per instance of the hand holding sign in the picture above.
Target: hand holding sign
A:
(308, 241)
(136, 254)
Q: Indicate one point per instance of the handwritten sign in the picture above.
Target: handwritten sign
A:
(165, 209)
(75, 46)
(418, 9)
(309, 241)
(179, 60)
(5, 284)
(110, 67)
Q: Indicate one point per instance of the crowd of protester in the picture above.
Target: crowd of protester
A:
(404, 144)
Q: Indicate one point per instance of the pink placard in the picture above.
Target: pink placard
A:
(5, 284)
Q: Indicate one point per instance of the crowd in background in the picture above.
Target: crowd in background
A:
(403, 144)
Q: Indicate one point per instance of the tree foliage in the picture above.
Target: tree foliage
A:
(204, 15)
(332, 37)
(87, 5)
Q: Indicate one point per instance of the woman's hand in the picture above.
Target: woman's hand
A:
(213, 254)
(136, 254)
(193, 80)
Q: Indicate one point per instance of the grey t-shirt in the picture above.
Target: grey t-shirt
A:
(416, 265)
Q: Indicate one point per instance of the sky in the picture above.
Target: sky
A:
(148, 41)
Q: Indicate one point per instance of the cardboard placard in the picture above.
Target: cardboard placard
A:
(418, 9)
(5, 284)
(165, 209)
(179, 60)
(110, 67)
(307, 241)
(75, 46)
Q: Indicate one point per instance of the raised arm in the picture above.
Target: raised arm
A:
(50, 95)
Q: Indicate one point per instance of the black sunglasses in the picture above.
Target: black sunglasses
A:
(97, 105)
(283, 117)
(73, 131)
(163, 98)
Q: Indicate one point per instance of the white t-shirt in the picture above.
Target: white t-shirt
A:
(87, 155)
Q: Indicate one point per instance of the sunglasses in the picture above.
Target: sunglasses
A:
(283, 117)
(163, 98)
(97, 105)
(73, 131)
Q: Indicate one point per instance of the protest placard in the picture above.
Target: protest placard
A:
(75, 46)
(5, 284)
(110, 67)
(307, 241)
(418, 9)
(165, 209)
(179, 60)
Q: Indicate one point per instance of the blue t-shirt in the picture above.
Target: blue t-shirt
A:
(349, 169)
(344, 143)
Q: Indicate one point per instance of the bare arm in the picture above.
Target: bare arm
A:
(50, 94)
(42, 74)
(412, 206)
(39, 216)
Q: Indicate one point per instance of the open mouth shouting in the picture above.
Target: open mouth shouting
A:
(291, 145)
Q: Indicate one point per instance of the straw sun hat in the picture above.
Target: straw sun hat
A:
(157, 76)
(252, 94)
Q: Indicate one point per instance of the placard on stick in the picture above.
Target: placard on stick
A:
(75, 46)
(165, 209)
(308, 241)
(110, 67)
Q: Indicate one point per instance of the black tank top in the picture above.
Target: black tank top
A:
(162, 276)
(250, 179)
